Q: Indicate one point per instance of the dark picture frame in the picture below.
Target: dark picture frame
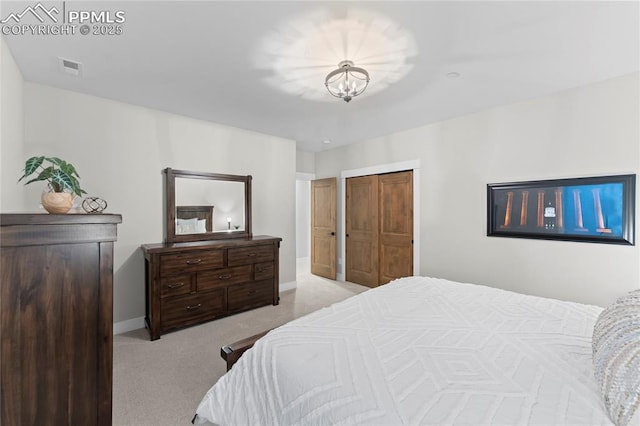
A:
(597, 209)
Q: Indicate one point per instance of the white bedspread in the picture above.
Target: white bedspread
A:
(419, 351)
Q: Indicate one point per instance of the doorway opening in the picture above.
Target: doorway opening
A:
(303, 222)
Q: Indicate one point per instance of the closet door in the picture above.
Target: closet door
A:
(396, 226)
(362, 230)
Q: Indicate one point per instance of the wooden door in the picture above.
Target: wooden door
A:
(396, 225)
(361, 263)
(323, 227)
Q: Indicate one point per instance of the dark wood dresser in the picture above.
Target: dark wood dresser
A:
(56, 318)
(193, 282)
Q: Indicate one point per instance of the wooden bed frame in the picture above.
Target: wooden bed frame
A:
(199, 212)
(232, 353)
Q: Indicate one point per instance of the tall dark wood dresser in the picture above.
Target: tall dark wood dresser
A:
(56, 318)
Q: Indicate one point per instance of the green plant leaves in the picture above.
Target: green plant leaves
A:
(31, 166)
(45, 174)
(62, 179)
(60, 175)
(55, 160)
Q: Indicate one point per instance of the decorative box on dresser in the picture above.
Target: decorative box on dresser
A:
(193, 282)
(56, 318)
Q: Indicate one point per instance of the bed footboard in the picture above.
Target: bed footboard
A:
(231, 353)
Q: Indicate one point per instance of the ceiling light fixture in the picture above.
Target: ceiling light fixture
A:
(347, 81)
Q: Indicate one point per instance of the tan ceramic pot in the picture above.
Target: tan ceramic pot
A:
(57, 202)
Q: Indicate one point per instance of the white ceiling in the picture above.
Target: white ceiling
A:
(203, 60)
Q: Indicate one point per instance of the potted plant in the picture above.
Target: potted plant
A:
(62, 178)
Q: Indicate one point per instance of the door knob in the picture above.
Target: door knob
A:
(332, 233)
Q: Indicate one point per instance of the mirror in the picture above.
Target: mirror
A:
(206, 206)
(214, 206)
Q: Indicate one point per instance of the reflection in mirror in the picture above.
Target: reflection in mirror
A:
(194, 219)
(209, 206)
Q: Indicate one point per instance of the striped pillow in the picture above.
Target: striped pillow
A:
(616, 358)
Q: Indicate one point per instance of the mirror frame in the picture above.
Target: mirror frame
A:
(170, 206)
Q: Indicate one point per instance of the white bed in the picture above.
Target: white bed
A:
(419, 351)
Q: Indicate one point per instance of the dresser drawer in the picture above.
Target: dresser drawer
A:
(263, 271)
(249, 295)
(223, 277)
(176, 312)
(175, 285)
(245, 255)
(190, 261)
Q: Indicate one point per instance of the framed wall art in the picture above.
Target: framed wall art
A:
(592, 209)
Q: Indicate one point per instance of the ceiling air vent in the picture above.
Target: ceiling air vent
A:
(70, 67)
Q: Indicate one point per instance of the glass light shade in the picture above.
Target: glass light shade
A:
(347, 81)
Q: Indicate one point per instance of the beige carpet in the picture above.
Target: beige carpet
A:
(161, 382)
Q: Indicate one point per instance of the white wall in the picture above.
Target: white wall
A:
(305, 162)
(11, 133)
(120, 150)
(587, 131)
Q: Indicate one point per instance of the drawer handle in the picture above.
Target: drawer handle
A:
(191, 308)
(252, 292)
(176, 285)
(224, 277)
(251, 255)
(194, 262)
(259, 269)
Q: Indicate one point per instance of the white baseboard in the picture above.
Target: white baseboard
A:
(288, 286)
(340, 277)
(128, 325)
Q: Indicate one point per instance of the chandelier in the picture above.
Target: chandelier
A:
(347, 81)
